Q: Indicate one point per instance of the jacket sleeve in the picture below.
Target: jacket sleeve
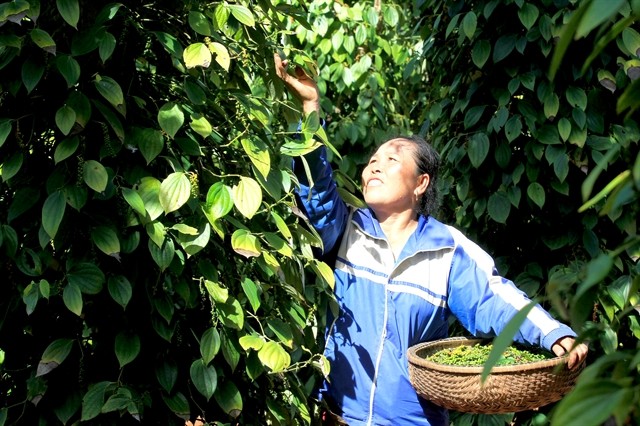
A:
(484, 302)
(319, 199)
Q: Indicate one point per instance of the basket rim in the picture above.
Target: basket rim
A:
(419, 361)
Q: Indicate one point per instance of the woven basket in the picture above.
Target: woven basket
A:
(507, 389)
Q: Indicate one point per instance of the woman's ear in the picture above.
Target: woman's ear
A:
(422, 184)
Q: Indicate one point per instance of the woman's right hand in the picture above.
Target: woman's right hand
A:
(300, 85)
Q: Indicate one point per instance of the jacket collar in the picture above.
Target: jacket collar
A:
(430, 234)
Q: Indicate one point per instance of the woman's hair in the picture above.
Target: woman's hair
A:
(428, 161)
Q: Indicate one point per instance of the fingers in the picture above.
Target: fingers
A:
(281, 67)
(576, 354)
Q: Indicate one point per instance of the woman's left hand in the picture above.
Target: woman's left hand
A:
(577, 354)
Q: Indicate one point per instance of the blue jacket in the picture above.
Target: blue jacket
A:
(387, 304)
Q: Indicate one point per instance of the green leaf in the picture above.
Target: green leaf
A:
(5, 129)
(162, 255)
(127, 347)
(70, 11)
(281, 225)
(54, 355)
(72, 298)
(218, 293)
(242, 14)
(229, 398)
(251, 341)
(171, 118)
(95, 175)
(247, 196)
(472, 116)
(106, 239)
(53, 212)
(175, 191)
(231, 313)
(499, 207)
(219, 201)
(178, 404)
(65, 119)
(597, 12)
(107, 13)
(478, 149)
(469, 24)
(119, 401)
(505, 338)
(251, 291)
(245, 244)
(195, 239)
(30, 297)
(209, 344)
(87, 276)
(591, 402)
(32, 72)
(222, 54)
(149, 190)
(513, 128)
(631, 40)
(480, 53)
(528, 15)
(43, 40)
(503, 47)
(551, 106)
(607, 80)
(325, 272)
(282, 330)
(201, 125)
(106, 46)
(197, 55)
(298, 148)
(564, 128)
(23, 200)
(274, 356)
(134, 200)
(258, 153)
(170, 43)
(81, 105)
(69, 68)
(167, 375)
(200, 23)
(120, 290)
(577, 97)
(194, 92)
(596, 271)
(111, 91)
(150, 142)
(535, 192)
(11, 166)
(93, 400)
(390, 16)
(204, 378)
(65, 149)
(14, 11)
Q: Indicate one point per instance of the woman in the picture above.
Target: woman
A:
(399, 275)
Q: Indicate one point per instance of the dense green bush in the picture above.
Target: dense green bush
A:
(155, 267)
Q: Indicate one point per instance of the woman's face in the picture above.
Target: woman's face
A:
(390, 182)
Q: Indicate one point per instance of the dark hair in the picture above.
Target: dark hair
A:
(427, 161)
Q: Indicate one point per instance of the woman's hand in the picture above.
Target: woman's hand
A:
(300, 85)
(577, 354)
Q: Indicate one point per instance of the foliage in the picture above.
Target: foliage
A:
(154, 267)
(525, 148)
(155, 264)
(478, 354)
